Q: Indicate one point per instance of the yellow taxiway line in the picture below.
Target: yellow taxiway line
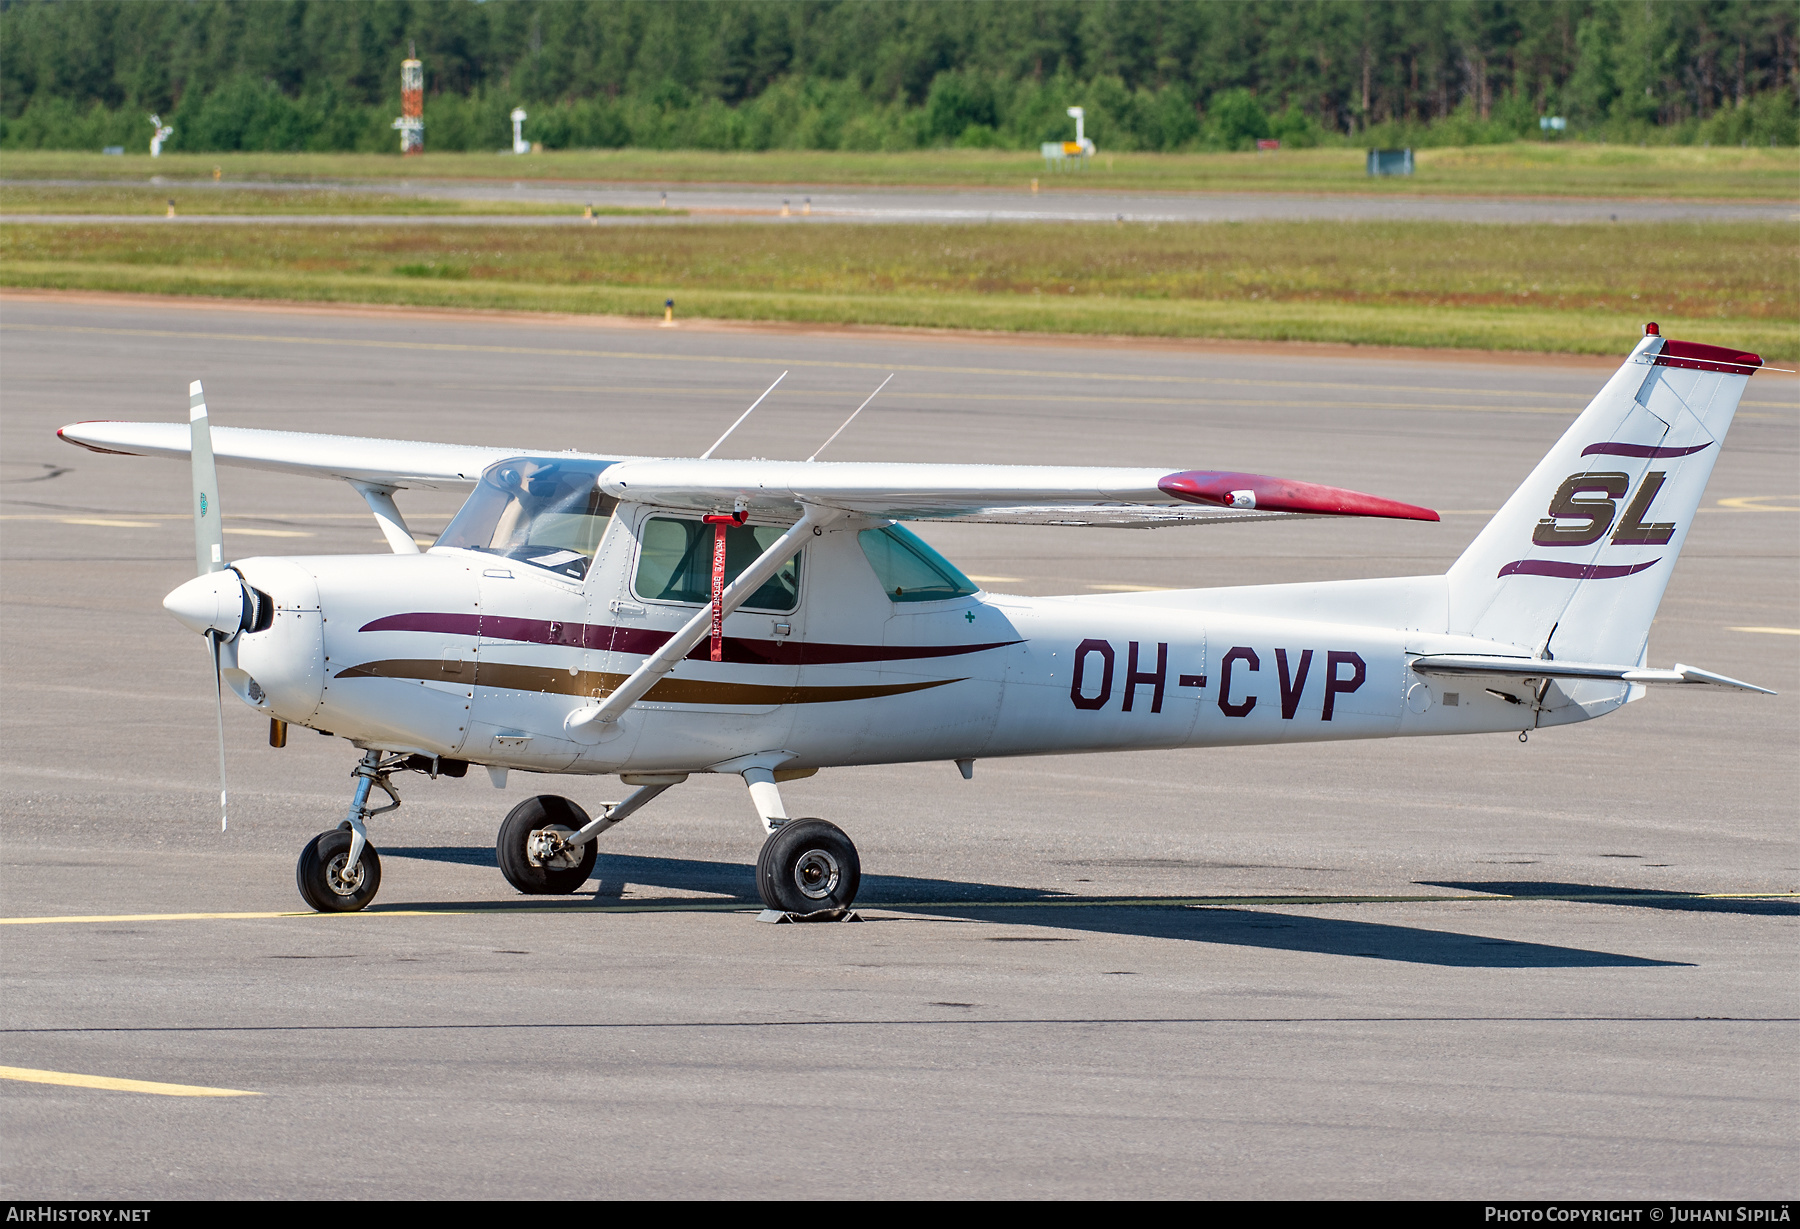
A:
(476, 909)
(70, 1079)
(148, 917)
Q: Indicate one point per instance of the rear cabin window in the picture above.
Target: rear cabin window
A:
(547, 513)
(675, 563)
(909, 570)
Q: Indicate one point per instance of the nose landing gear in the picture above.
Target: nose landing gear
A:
(329, 881)
(339, 871)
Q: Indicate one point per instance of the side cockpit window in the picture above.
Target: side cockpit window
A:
(548, 513)
(909, 570)
(675, 563)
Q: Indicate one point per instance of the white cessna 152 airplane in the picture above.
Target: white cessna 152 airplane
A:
(657, 617)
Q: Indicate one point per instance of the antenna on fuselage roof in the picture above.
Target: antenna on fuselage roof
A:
(742, 417)
(859, 409)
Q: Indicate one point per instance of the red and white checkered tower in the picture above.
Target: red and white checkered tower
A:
(412, 104)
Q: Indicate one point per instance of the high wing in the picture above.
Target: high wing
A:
(1000, 494)
(996, 494)
(398, 464)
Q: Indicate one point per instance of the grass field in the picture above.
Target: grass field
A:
(1525, 168)
(1585, 289)
(154, 199)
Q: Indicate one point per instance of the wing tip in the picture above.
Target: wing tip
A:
(1226, 489)
(62, 433)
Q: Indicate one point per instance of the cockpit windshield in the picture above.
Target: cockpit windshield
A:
(541, 511)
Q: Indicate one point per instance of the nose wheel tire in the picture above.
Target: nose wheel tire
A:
(326, 880)
(524, 847)
(808, 865)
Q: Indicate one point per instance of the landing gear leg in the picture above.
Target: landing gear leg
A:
(339, 871)
(765, 796)
(807, 868)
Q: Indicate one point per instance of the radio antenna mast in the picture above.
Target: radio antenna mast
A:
(742, 417)
(859, 409)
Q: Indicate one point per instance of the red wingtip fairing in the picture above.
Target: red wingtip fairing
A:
(1225, 490)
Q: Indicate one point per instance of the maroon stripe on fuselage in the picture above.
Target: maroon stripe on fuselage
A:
(450, 624)
(643, 640)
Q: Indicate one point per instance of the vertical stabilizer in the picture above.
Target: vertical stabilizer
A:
(1585, 547)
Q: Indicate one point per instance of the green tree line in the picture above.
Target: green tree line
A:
(896, 74)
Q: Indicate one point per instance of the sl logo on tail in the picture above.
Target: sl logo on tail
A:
(1586, 506)
(1594, 517)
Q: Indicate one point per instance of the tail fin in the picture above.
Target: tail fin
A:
(1581, 553)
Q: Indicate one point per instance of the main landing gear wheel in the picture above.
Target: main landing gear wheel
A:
(326, 880)
(807, 866)
(526, 853)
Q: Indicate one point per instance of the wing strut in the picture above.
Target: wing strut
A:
(387, 515)
(587, 724)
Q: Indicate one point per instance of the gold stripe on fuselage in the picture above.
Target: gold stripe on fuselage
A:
(553, 681)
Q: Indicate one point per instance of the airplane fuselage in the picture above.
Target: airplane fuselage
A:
(462, 655)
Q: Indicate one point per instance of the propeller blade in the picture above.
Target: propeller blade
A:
(209, 557)
(209, 533)
(212, 642)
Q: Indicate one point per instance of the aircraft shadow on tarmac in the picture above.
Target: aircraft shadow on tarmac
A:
(1149, 917)
(1637, 898)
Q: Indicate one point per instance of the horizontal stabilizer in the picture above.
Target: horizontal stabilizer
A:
(1534, 668)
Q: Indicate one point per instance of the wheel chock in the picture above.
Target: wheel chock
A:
(776, 917)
